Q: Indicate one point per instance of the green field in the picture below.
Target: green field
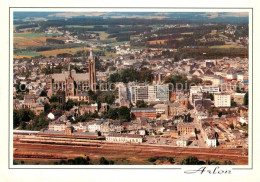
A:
(33, 35)
(109, 55)
(119, 43)
(28, 53)
(83, 26)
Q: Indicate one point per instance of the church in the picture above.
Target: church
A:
(74, 85)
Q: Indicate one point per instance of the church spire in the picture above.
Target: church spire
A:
(91, 54)
(92, 71)
(69, 67)
(84, 55)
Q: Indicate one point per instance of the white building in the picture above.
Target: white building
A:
(94, 126)
(148, 93)
(124, 138)
(195, 90)
(160, 108)
(211, 141)
(210, 89)
(80, 127)
(182, 141)
(222, 100)
(217, 80)
(243, 120)
(231, 76)
(58, 126)
(240, 77)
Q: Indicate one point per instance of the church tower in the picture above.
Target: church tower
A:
(92, 71)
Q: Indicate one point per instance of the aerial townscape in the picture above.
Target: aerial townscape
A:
(126, 88)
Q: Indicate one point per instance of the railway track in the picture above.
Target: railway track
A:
(72, 147)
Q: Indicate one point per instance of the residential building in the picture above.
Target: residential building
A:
(239, 98)
(222, 100)
(186, 128)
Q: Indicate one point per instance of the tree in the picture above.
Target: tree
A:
(176, 58)
(132, 116)
(141, 104)
(124, 114)
(213, 162)
(178, 81)
(80, 160)
(47, 107)
(191, 160)
(170, 160)
(195, 80)
(231, 126)
(54, 98)
(246, 99)
(112, 114)
(220, 114)
(92, 95)
(69, 104)
(228, 163)
(43, 93)
(106, 97)
(103, 161)
(39, 122)
(22, 115)
(22, 125)
(114, 78)
(152, 159)
(233, 103)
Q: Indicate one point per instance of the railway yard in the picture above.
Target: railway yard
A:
(47, 149)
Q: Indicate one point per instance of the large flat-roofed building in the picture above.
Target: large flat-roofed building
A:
(210, 89)
(144, 112)
(124, 138)
(222, 100)
(148, 93)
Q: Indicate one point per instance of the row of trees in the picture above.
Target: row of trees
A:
(130, 75)
(191, 160)
(84, 161)
(199, 53)
(180, 81)
(26, 119)
(77, 161)
(123, 114)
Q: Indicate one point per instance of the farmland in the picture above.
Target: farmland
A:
(23, 40)
(30, 54)
(226, 46)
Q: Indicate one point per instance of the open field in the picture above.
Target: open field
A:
(153, 42)
(23, 40)
(109, 55)
(54, 150)
(225, 46)
(54, 52)
(104, 35)
(59, 51)
(84, 26)
(187, 33)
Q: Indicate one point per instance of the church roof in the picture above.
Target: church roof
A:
(75, 76)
